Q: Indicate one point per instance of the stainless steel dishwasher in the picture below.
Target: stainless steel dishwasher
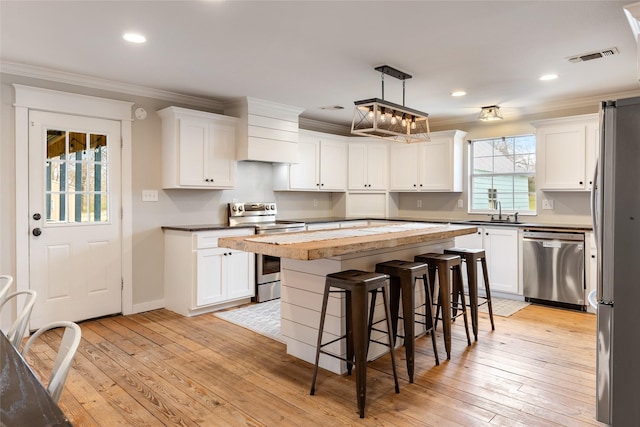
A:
(553, 267)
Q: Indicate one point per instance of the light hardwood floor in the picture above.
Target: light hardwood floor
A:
(159, 368)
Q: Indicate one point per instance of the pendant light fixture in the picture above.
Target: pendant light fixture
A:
(490, 113)
(382, 119)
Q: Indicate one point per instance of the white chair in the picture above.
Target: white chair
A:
(16, 332)
(8, 281)
(66, 352)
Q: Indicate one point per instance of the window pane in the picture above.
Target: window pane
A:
(56, 140)
(503, 164)
(503, 170)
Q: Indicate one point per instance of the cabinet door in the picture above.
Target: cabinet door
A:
(592, 151)
(403, 167)
(305, 175)
(358, 166)
(194, 151)
(220, 163)
(238, 274)
(333, 166)
(377, 166)
(436, 168)
(563, 157)
(210, 288)
(501, 250)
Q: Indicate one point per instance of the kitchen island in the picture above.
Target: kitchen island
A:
(307, 257)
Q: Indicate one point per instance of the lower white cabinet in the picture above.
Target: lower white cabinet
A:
(201, 277)
(501, 249)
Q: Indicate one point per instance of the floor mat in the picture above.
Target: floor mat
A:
(263, 318)
(503, 307)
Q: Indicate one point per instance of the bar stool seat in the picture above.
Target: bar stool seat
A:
(444, 264)
(471, 258)
(403, 276)
(356, 285)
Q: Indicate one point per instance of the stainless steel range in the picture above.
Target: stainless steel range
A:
(263, 217)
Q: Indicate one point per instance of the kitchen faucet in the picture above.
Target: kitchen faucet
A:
(499, 211)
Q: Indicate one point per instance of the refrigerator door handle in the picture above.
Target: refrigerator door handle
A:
(594, 207)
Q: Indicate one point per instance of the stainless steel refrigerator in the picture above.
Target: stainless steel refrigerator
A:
(616, 216)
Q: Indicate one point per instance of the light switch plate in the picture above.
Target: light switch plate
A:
(149, 195)
(419, 204)
(547, 204)
(460, 203)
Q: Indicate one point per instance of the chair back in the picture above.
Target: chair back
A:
(66, 352)
(5, 284)
(19, 326)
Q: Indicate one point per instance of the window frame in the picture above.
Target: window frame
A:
(496, 197)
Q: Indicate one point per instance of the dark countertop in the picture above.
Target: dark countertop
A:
(202, 227)
(317, 220)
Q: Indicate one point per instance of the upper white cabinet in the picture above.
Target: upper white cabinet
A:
(567, 151)
(431, 166)
(322, 165)
(198, 149)
(368, 165)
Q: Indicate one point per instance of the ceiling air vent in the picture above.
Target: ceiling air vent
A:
(593, 55)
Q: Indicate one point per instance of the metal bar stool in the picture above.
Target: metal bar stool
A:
(448, 284)
(403, 276)
(471, 258)
(356, 285)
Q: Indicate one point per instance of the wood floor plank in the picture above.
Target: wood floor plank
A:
(159, 368)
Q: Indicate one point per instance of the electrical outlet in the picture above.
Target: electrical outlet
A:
(149, 195)
(547, 204)
(315, 203)
(460, 203)
(419, 204)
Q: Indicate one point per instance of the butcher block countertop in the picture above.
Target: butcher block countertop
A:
(311, 245)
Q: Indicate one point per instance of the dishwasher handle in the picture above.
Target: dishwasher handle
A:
(552, 235)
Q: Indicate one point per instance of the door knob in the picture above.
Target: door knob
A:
(36, 232)
(37, 216)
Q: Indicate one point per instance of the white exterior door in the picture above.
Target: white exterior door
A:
(75, 250)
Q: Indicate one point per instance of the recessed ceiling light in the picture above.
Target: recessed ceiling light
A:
(134, 37)
(548, 77)
(458, 93)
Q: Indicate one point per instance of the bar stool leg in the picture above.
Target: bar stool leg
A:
(429, 315)
(359, 316)
(349, 331)
(472, 275)
(325, 300)
(394, 297)
(445, 304)
(389, 334)
(458, 285)
(408, 314)
(487, 291)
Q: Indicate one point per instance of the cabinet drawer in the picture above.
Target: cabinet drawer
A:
(209, 239)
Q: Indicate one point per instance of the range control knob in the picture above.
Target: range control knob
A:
(233, 208)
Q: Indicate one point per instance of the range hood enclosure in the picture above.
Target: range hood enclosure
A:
(267, 132)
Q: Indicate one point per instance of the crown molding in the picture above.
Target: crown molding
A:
(103, 84)
(550, 107)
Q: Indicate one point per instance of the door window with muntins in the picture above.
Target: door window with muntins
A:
(76, 177)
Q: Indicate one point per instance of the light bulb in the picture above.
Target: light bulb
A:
(404, 121)
(394, 120)
(413, 124)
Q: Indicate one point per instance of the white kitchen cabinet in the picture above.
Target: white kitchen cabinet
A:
(200, 277)
(368, 166)
(322, 165)
(431, 166)
(198, 149)
(567, 151)
(501, 249)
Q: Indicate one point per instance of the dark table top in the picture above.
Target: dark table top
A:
(24, 401)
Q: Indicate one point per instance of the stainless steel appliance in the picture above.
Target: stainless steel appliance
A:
(263, 217)
(553, 268)
(616, 223)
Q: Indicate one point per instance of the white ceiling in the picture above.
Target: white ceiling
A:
(312, 54)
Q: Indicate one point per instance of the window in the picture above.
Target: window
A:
(503, 170)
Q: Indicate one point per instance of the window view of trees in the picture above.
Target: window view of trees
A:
(503, 170)
(76, 177)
